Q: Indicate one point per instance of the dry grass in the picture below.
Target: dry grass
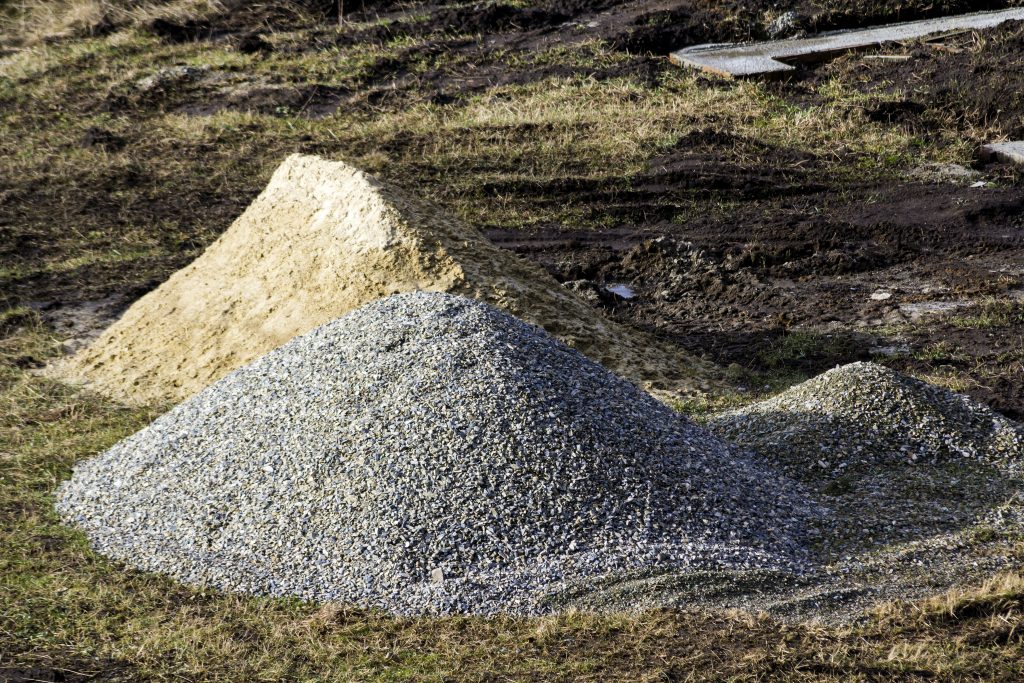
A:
(69, 612)
(29, 22)
(502, 158)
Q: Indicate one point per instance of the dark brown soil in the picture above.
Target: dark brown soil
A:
(973, 81)
(802, 250)
(61, 672)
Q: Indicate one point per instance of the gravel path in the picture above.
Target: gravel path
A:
(430, 454)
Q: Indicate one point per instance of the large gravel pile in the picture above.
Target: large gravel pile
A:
(897, 459)
(428, 453)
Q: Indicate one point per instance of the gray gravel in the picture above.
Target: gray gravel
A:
(895, 459)
(922, 490)
(430, 454)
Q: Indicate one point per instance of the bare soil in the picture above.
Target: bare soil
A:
(766, 259)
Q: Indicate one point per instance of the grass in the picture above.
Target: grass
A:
(994, 313)
(476, 155)
(69, 610)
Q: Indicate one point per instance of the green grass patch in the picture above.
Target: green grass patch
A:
(994, 313)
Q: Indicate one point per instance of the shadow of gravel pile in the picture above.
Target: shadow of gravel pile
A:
(897, 459)
(430, 454)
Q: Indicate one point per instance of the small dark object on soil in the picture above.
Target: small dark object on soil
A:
(896, 111)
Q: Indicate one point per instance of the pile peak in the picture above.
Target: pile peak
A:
(881, 414)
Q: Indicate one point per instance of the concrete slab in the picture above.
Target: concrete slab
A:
(753, 59)
(1012, 152)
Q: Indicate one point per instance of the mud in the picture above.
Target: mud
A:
(74, 671)
(795, 254)
(477, 41)
(485, 34)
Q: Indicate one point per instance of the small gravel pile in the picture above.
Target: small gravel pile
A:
(430, 454)
(895, 458)
(864, 414)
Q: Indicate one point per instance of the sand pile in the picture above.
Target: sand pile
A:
(428, 453)
(897, 459)
(321, 240)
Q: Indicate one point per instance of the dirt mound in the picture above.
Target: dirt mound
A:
(321, 240)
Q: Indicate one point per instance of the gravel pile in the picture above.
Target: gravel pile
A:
(896, 459)
(863, 414)
(430, 454)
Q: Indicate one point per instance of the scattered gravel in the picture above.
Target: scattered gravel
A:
(430, 454)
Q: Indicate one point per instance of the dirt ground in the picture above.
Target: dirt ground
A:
(732, 244)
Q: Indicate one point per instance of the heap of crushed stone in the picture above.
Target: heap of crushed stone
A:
(897, 459)
(321, 240)
(430, 454)
(864, 414)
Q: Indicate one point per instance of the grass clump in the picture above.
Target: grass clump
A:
(994, 313)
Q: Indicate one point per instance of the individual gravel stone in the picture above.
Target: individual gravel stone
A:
(430, 454)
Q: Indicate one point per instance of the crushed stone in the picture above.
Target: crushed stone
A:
(895, 458)
(431, 454)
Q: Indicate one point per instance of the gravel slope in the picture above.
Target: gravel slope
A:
(897, 459)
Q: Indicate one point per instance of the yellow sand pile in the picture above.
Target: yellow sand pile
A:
(321, 240)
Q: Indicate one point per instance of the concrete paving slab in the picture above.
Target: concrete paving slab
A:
(1012, 152)
(751, 59)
